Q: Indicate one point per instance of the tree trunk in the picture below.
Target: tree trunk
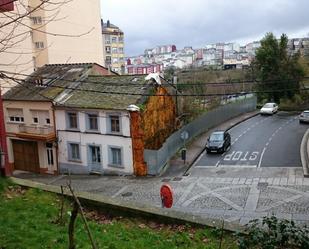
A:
(71, 225)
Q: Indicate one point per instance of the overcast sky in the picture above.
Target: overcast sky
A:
(148, 23)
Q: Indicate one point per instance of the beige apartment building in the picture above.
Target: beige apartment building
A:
(113, 47)
(58, 32)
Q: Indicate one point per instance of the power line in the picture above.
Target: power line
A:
(219, 84)
(159, 95)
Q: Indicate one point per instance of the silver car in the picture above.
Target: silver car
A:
(269, 108)
(304, 117)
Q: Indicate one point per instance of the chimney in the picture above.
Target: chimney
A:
(108, 24)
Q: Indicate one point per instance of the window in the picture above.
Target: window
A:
(114, 50)
(120, 39)
(74, 152)
(72, 122)
(107, 39)
(35, 120)
(115, 156)
(50, 155)
(39, 116)
(108, 49)
(108, 59)
(114, 39)
(15, 115)
(92, 122)
(36, 20)
(94, 154)
(114, 123)
(115, 60)
(47, 120)
(120, 50)
(39, 45)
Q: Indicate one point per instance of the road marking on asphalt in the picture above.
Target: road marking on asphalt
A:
(120, 191)
(198, 159)
(217, 164)
(260, 161)
(205, 166)
(238, 165)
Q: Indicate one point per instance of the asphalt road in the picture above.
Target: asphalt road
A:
(262, 141)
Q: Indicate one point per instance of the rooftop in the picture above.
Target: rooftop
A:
(77, 86)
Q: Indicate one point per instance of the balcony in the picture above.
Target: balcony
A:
(41, 133)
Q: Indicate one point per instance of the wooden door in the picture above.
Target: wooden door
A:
(26, 156)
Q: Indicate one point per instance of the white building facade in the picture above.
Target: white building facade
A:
(94, 141)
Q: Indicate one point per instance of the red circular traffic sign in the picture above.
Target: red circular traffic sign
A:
(166, 194)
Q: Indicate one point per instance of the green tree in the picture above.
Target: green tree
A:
(279, 72)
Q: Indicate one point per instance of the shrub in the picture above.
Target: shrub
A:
(272, 233)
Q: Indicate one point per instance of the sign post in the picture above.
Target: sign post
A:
(184, 136)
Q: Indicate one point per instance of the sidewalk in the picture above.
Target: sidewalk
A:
(236, 195)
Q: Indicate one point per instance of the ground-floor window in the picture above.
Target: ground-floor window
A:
(74, 151)
(115, 156)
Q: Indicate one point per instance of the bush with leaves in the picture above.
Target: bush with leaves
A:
(272, 233)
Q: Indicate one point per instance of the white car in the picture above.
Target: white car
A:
(269, 108)
(304, 117)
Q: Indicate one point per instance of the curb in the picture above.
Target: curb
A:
(134, 208)
(304, 153)
(230, 127)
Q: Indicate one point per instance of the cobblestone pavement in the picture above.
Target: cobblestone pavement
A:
(235, 194)
(235, 199)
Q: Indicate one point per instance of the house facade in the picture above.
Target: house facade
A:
(82, 119)
(31, 136)
(94, 141)
(29, 115)
(105, 129)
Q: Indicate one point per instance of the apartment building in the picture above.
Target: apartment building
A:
(113, 47)
(52, 34)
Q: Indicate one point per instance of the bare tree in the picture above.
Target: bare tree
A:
(22, 21)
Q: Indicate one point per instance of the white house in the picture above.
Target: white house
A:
(94, 140)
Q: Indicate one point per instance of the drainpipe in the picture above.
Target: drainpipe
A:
(139, 165)
(56, 143)
(4, 166)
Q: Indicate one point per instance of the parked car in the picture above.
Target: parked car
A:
(304, 117)
(219, 141)
(269, 108)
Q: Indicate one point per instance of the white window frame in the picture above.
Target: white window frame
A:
(88, 123)
(39, 45)
(19, 119)
(36, 20)
(70, 155)
(111, 161)
(109, 123)
(68, 123)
